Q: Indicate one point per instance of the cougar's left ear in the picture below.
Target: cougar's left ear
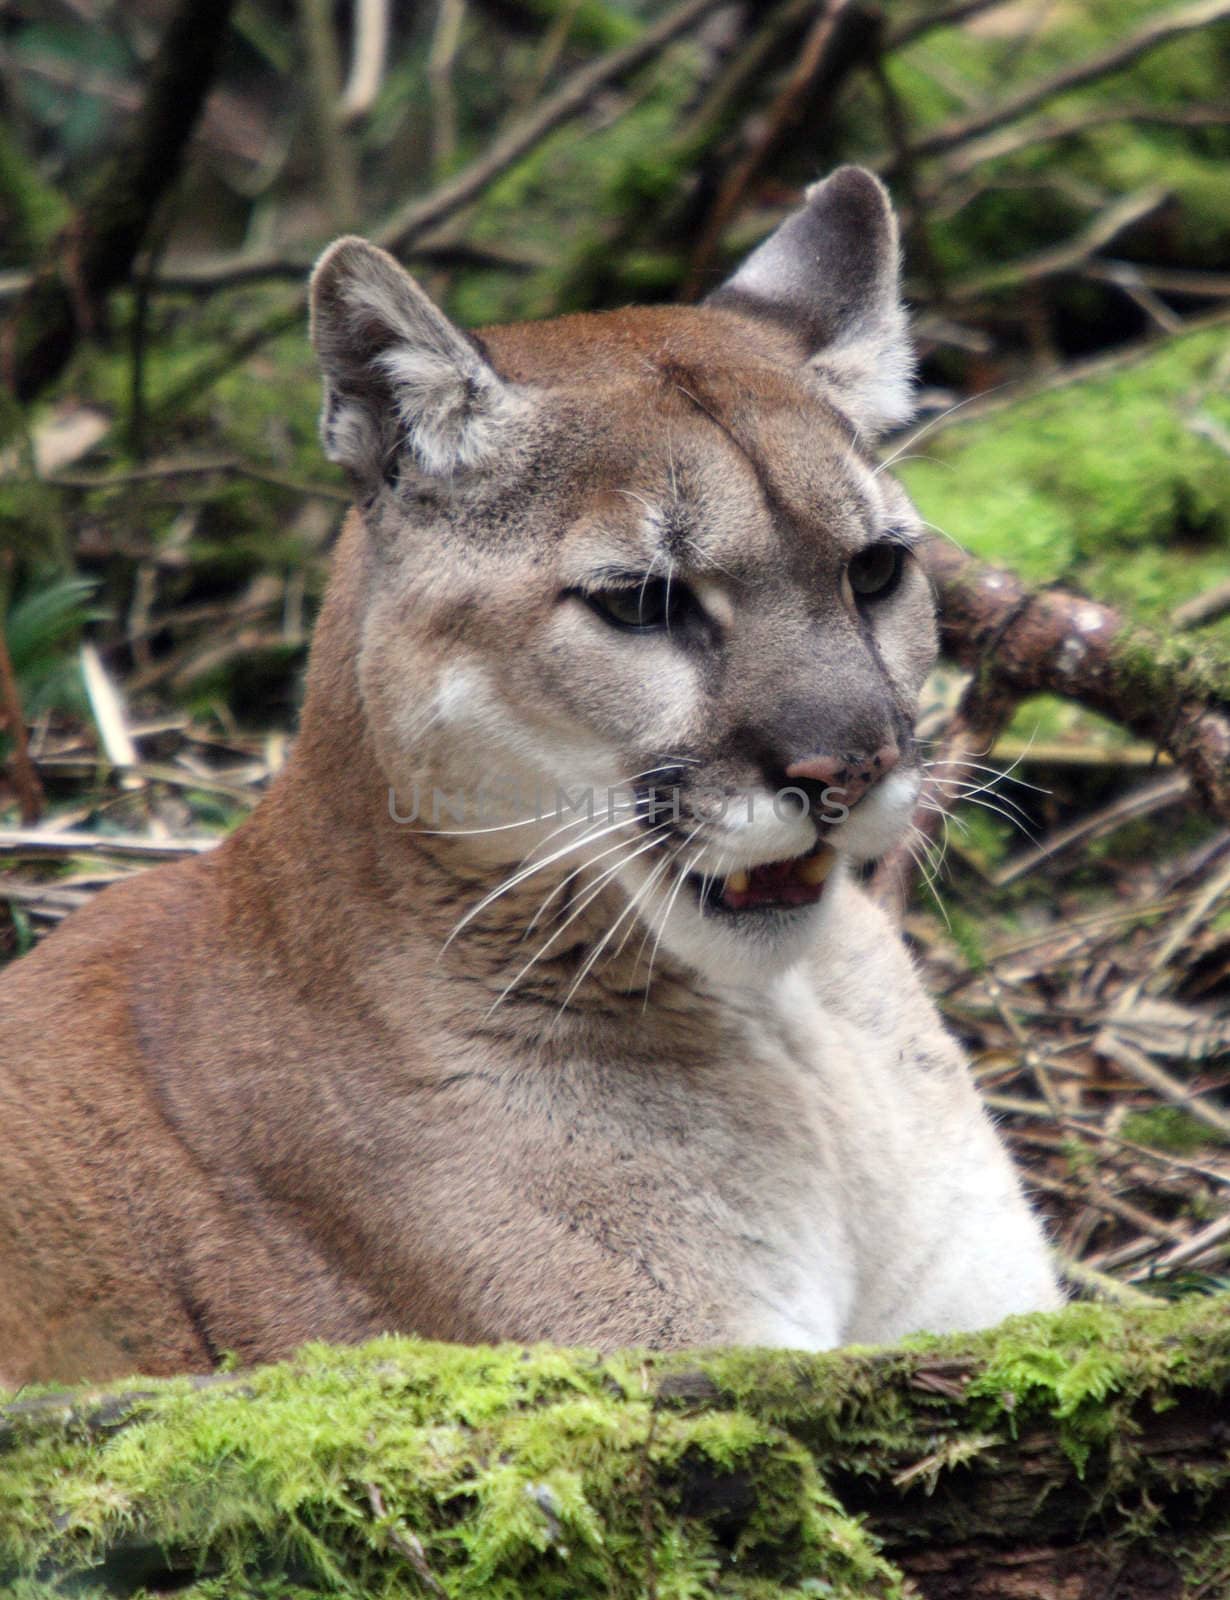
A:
(831, 273)
(398, 375)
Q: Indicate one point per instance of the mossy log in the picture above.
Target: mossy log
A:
(1055, 1458)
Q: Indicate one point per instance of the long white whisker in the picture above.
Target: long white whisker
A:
(594, 891)
(920, 434)
(520, 876)
(583, 867)
(670, 906)
(523, 822)
(956, 791)
(627, 911)
(996, 772)
(641, 894)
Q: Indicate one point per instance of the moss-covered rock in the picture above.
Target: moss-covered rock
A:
(405, 1468)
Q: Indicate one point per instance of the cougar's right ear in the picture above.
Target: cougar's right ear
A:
(398, 375)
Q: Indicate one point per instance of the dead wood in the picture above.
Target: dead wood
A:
(95, 253)
(1021, 642)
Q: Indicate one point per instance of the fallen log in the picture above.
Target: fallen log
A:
(1055, 1458)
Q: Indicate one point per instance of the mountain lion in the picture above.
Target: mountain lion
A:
(628, 1058)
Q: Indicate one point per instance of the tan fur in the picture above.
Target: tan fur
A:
(263, 1096)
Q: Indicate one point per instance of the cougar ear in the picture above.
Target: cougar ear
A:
(831, 273)
(397, 373)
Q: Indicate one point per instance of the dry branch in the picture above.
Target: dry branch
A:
(1022, 642)
(1069, 256)
(1157, 31)
(96, 251)
(400, 230)
(1019, 642)
(838, 40)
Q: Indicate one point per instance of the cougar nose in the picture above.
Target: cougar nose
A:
(847, 778)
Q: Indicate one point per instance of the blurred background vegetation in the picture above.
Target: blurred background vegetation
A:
(1061, 169)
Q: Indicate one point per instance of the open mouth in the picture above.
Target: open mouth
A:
(772, 886)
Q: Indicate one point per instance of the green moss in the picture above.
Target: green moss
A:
(1113, 484)
(1166, 1128)
(553, 1473)
(511, 1467)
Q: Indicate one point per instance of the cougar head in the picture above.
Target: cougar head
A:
(646, 557)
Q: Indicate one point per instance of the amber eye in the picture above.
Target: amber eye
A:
(876, 571)
(645, 607)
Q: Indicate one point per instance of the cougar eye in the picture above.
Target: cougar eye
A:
(645, 606)
(876, 571)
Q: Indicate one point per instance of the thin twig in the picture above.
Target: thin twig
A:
(34, 843)
(810, 67)
(938, 17)
(12, 719)
(208, 467)
(1011, 141)
(441, 60)
(406, 1544)
(404, 226)
(1168, 790)
(337, 160)
(370, 48)
(1157, 31)
(1065, 257)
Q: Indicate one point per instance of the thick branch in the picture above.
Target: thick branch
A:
(96, 251)
(1022, 642)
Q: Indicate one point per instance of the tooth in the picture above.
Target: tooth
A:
(815, 869)
(740, 882)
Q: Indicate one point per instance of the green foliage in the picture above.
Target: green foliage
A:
(39, 626)
(1118, 485)
(1168, 1128)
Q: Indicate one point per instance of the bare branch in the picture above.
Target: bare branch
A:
(96, 251)
(1010, 141)
(1157, 31)
(400, 230)
(1065, 257)
(940, 17)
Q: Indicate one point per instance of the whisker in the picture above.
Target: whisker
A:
(982, 766)
(954, 790)
(920, 434)
(525, 872)
(641, 894)
(594, 891)
(670, 906)
(627, 911)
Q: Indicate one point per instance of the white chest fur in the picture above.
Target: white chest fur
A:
(897, 1211)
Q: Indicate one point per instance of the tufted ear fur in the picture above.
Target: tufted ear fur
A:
(830, 272)
(397, 374)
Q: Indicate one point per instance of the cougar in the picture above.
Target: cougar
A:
(628, 1057)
